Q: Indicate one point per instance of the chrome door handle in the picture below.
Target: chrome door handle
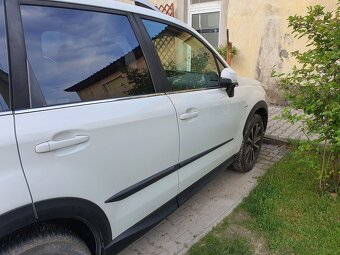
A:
(55, 145)
(188, 115)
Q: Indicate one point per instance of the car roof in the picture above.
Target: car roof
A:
(117, 5)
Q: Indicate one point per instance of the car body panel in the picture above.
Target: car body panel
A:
(129, 140)
(14, 192)
(250, 92)
(214, 125)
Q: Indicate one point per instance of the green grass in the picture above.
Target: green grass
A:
(218, 245)
(284, 214)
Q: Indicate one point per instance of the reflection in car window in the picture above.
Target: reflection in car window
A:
(4, 86)
(188, 64)
(82, 55)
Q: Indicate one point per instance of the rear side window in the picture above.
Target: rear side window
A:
(187, 62)
(76, 55)
(4, 86)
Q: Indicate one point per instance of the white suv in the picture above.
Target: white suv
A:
(111, 116)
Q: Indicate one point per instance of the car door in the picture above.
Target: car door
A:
(97, 127)
(208, 118)
(14, 192)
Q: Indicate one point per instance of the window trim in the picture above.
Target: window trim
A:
(3, 108)
(151, 57)
(21, 93)
(85, 103)
(140, 17)
(6, 113)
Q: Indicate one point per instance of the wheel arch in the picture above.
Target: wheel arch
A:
(80, 215)
(260, 108)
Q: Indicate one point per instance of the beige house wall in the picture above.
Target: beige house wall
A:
(259, 30)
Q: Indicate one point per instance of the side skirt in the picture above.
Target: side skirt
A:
(195, 187)
(143, 226)
(140, 228)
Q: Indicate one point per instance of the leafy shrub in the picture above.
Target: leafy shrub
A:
(313, 87)
(222, 49)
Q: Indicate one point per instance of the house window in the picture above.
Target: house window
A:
(201, 1)
(207, 24)
(205, 18)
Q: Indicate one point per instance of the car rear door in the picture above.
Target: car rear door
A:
(208, 118)
(94, 126)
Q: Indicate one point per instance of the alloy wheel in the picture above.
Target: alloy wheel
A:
(253, 143)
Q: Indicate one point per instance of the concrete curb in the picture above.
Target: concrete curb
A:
(275, 140)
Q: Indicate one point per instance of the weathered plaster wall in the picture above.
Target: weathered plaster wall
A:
(258, 28)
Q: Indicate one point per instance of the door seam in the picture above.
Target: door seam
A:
(179, 140)
(22, 167)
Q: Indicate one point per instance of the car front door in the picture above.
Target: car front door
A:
(96, 128)
(208, 118)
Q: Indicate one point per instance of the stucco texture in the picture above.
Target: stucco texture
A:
(259, 30)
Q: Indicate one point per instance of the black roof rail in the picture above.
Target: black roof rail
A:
(146, 4)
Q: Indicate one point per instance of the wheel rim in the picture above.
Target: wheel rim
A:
(253, 143)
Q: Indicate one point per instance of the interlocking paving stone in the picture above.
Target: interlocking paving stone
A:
(282, 129)
(196, 217)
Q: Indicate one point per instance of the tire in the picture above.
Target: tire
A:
(44, 240)
(251, 145)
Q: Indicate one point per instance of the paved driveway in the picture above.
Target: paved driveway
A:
(197, 216)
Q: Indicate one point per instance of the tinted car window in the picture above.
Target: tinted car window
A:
(187, 62)
(76, 55)
(4, 86)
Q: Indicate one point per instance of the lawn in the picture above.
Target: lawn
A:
(284, 214)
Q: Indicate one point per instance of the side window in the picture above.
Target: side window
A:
(76, 55)
(187, 62)
(4, 86)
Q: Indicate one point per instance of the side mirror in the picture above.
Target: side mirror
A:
(228, 80)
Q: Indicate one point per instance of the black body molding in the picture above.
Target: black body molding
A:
(60, 208)
(259, 106)
(156, 177)
(16, 219)
(79, 209)
(140, 228)
(194, 188)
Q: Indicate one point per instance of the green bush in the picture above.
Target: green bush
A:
(313, 87)
(222, 49)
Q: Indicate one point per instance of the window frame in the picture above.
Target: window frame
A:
(21, 96)
(7, 110)
(205, 8)
(140, 17)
